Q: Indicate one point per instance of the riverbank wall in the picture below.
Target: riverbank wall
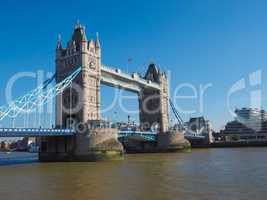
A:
(231, 144)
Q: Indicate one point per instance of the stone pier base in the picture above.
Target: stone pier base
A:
(96, 145)
(166, 142)
(172, 141)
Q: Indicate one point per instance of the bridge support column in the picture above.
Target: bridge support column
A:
(172, 141)
(93, 144)
(98, 144)
(153, 104)
(58, 148)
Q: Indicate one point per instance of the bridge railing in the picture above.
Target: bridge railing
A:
(23, 132)
(39, 132)
(194, 135)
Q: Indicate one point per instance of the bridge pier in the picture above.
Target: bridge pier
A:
(166, 142)
(94, 144)
(172, 141)
(98, 144)
(56, 148)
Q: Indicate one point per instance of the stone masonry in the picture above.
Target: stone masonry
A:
(154, 103)
(85, 93)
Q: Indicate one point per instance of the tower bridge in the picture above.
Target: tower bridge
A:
(152, 89)
(79, 64)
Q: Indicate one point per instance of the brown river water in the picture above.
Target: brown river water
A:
(203, 174)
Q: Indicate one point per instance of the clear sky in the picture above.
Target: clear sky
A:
(199, 41)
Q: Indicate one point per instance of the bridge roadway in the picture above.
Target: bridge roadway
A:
(34, 132)
(44, 132)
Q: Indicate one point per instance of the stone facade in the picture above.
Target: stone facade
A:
(153, 104)
(81, 102)
(81, 52)
(98, 144)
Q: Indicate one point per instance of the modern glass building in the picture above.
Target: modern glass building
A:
(249, 123)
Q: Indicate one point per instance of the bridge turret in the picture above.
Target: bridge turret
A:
(79, 36)
(154, 103)
(80, 102)
(91, 46)
(152, 73)
(59, 46)
(84, 41)
(84, 53)
(97, 45)
(164, 101)
(59, 43)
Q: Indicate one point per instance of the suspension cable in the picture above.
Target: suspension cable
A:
(70, 105)
(178, 117)
(36, 98)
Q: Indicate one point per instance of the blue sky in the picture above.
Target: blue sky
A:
(199, 41)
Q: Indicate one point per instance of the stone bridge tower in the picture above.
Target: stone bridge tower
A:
(81, 102)
(153, 104)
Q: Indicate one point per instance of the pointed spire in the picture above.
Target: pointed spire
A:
(91, 43)
(59, 45)
(78, 24)
(97, 42)
(84, 38)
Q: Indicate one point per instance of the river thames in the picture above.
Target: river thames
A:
(208, 174)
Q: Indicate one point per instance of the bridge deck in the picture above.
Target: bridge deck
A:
(44, 132)
(34, 132)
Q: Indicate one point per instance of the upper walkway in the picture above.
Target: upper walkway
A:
(134, 82)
